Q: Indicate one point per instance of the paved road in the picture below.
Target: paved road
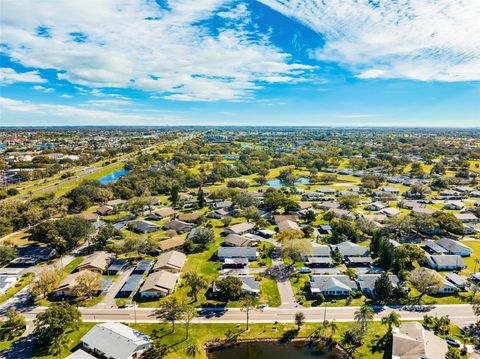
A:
(458, 313)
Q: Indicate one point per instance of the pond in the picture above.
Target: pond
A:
(277, 183)
(113, 177)
(268, 350)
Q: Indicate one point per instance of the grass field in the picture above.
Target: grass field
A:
(201, 333)
(470, 261)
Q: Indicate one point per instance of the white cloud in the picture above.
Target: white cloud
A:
(43, 89)
(142, 46)
(14, 110)
(427, 40)
(66, 96)
(9, 76)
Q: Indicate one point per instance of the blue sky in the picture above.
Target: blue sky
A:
(225, 62)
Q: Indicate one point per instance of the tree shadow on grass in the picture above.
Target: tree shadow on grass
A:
(288, 336)
(380, 344)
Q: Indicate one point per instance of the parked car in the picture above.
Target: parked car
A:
(453, 342)
(304, 270)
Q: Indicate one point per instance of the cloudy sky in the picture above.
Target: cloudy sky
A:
(230, 62)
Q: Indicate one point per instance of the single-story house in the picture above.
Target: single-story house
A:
(249, 253)
(240, 228)
(178, 226)
(189, 217)
(432, 247)
(235, 240)
(460, 281)
(34, 252)
(67, 285)
(358, 261)
(171, 261)
(349, 249)
(80, 354)
(319, 250)
(97, 262)
(316, 262)
(91, 217)
(172, 243)
(447, 288)
(283, 217)
(104, 210)
(329, 206)
(376, 206)
(445, 262)
(223, 204)
(454, 205)
(327, 191)
(115, 203)
(288, 225)
(165, 212)
(390, 212)
(466, 217)
(159, 284)
(249, 284)
(366, 282)
(332, 285)
(115, 341)
(454, 247)
(411, 341)
(144, 226)
(325, 229)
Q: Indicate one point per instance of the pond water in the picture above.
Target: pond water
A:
(277, 183)
(268, 350)
(113, 177)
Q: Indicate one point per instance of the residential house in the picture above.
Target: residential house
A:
(115, 203)
(332, 285)
(189, 217)
(223, 204)
(412, 341)
(97, 262)
(172, 261)
(376, 206)
(115, 341)
(240, 228)
(116, 266)
(178, 226)
(390, 211)
(454, 205)
(166, 212)
(366, 282)
(283, 217)
(144, 227)
(349, 249)
(37, 253)
(358, 261)
(249, 253)
(325, 229)
(460, 281)
(445, 262)
(175, 242)
(104, 210)
(432, 247)
(454, 247)
(7, 281)
(159, 284)
(91, 217)
(466, 217)
(288, 225)
(234, 240)
(249, 284)
(447, 288)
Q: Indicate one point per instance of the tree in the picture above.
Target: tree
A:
(244, 200)
(251, 213)
(188, 313)
(390, 320)
(170, 310)
(45, 282)
(51, 325)
(227, 220)
(299, 320)
(383, 288)
(476, 305)
(343, 230)
(7, 254)
(352, 339)
(200, 198)
(310, 216)
(287, 177)
(333, 327)
(156, 351)
(426, 281)
(196, 282)
(13, 326)
(249, 302)
(410, 253)
(350, 273)
(448, 222)
(349, 201)
(87, 283)
(364, 315)
(201, 237)
(105, 233)
(296, 249)
(230, 287)
(174, 194)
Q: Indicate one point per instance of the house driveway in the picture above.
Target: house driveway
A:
(109, 300)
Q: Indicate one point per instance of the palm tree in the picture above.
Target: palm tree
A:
(189, 312)
(299, 320)
(333, 328)
(170, 310)
(390, 320)
(364, 315)
(352, 338)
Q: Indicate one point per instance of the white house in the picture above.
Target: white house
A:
(454, 247)
(332, 285)
(115, 341)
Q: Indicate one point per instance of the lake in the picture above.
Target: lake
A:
(268, 350)
(276, 182)
(113, 177)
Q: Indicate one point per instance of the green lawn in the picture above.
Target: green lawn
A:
(470, 261)
(269, 291)
(201, 333)
(70, 267)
